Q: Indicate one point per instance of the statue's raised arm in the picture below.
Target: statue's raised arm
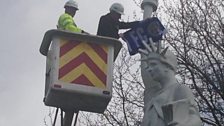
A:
(166, 103)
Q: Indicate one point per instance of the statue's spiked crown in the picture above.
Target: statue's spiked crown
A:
(165, 56)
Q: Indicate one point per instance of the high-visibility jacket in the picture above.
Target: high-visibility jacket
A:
(66, 22)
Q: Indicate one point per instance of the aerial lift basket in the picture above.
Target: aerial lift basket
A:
(79, 70)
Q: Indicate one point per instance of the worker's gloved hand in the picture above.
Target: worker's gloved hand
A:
(85, 32)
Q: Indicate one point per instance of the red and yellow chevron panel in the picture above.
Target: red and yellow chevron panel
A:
(83, 63)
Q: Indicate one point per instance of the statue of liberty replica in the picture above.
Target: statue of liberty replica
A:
(166, 102)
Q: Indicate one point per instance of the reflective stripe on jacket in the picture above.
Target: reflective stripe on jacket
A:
(66, 22)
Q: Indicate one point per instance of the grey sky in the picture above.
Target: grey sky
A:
(22, 68)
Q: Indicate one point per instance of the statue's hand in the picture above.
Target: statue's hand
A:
(176, 112)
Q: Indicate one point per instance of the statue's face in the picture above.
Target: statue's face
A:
(156, 70)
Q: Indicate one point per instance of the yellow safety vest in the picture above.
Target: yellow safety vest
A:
(66, 22)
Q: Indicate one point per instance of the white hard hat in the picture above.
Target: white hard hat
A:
(71, 3)
(117, 7)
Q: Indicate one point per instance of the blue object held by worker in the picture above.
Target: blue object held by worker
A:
(148, 28)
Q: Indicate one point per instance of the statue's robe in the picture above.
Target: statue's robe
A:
(172, 106)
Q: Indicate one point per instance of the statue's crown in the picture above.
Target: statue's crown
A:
(156, 52)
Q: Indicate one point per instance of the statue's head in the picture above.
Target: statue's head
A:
(152, 52)
(165, 56)
(157, 64)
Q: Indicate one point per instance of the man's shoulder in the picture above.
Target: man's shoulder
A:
(106, 16)
(65, 15)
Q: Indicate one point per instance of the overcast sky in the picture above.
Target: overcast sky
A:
(22, 68)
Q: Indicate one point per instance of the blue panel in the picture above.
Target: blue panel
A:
(149, 28)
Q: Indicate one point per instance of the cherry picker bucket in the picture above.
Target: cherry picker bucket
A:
(79, 70)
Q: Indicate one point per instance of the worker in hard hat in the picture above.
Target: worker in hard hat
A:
(109, 24)
(66, 21)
